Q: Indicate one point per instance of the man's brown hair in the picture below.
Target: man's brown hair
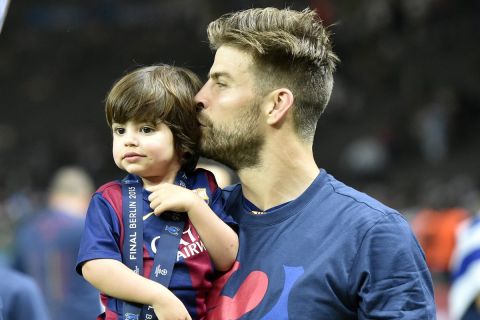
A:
(290, 49)
(159, 93)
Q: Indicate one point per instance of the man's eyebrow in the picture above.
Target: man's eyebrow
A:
(216, 75)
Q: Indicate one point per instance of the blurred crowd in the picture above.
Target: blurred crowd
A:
(403, 118)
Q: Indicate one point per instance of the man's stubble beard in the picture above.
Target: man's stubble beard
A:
(237, 144)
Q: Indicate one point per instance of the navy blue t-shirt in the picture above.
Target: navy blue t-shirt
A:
(332, 253)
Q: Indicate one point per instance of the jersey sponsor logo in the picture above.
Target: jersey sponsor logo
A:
(190, 244)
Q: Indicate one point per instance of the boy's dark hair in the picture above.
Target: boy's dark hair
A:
(160, 93)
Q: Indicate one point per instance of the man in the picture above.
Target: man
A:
(310, 246)
(46, 247)
(464, 293)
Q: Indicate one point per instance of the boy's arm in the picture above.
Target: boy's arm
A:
(117, 280)
(221, 241)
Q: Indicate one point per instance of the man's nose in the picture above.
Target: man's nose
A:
(200, 106)
(200, 99)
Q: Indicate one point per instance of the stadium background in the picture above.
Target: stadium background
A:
(402, 123)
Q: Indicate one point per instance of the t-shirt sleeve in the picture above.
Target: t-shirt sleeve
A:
(217, 200)
(101, 234)
(389, 277)
(218, 206)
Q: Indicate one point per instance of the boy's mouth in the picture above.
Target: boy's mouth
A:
(132, 155)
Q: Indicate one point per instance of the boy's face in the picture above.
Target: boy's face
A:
(146, 150)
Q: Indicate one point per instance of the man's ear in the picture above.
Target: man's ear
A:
(281, 100)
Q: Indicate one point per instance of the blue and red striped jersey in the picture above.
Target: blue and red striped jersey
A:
(193, 271)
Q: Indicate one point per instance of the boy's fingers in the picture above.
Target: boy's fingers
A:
(159, 209)
(154, 203)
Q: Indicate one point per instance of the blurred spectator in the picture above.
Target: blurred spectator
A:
(435, 230)
(20, 297)
(435, 225)
(46, 247)
(433, 126)
(365, 157)
(464, 295)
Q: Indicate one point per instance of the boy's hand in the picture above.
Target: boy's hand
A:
(170, 197)
(171, 308)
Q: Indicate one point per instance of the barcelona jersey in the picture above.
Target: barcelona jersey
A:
(193, 271)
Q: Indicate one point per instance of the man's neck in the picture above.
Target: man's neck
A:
(282, 176)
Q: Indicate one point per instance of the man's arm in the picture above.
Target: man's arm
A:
(390, 276)
(220, 240)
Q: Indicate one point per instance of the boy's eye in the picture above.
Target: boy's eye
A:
(119, 130)
(147, 129)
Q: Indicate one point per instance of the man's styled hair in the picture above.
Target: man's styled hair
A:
(160, 93)
(290, 49)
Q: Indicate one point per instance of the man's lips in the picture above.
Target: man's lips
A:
(203, 121)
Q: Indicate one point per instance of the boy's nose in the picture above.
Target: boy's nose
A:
(130, 139)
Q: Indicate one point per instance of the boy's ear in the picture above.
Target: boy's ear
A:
(281, 100)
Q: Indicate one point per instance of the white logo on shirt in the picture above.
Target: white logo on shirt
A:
(189, 247)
